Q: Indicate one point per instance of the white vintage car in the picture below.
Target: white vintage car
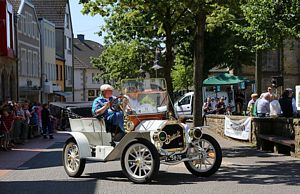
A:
(152, 138)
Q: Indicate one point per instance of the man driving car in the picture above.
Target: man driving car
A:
(114, 120)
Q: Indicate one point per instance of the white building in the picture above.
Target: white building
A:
(58, 12)
(86, 88)
(48, 56)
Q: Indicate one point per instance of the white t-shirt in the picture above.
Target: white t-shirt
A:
(275, 108)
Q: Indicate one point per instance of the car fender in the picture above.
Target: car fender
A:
(83, 144)
(129, 137)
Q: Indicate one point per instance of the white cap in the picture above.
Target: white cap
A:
(106, 87)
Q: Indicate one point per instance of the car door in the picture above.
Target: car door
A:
(184, 106)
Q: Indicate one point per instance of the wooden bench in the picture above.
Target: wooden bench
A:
(279, 144)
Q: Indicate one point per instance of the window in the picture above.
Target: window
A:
(20, 24)
(48, 38)
(29, 66)
(23, 66)
(67, 24)
(93, 80)
(57, 73)
(9, 30)
(185, 101)
(50, 72)
(68, 43)
(61, 72)
(34, 30)
(91, 93)
(35, 65)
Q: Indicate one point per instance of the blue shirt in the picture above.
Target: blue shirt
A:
(99, 103)
(263, 106)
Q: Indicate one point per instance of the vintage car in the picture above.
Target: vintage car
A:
(152, 137)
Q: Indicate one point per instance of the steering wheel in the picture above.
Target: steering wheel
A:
(117, 104)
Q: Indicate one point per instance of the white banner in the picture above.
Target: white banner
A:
(238, 129)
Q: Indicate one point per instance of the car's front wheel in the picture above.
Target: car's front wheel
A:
(73, 164)
(140, 161)
(209, 157)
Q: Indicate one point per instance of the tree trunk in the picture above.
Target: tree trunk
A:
(198, 67)
(169, 61)
(258, 73)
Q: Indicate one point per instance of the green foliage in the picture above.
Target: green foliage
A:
(267, 22)
(123, 60)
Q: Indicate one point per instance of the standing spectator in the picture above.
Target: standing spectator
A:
(239, 101)
(251, 111)
(207, 108)
(19, 118)
(39, 111)
(286, 104)
(292, 96)
(220, 106)
(270, 91)
(46, 123)
(263, 105)
(26, 133)
(34, 121)
(275, 109)
(7, 120)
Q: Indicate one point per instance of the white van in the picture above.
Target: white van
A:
(184, 106)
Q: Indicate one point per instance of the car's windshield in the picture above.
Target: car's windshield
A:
(145, 95)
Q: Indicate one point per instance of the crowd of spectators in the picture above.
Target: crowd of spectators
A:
(268, 104)
(21, 121)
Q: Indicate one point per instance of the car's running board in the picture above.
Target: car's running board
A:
(95, 159)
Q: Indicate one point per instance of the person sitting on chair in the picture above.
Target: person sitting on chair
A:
(114, 120)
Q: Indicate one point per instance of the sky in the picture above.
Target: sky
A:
(85, 24)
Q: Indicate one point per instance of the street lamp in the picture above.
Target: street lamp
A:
(142, 72)
(156, 66)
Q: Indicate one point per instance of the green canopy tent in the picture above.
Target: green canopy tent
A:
(225, 79)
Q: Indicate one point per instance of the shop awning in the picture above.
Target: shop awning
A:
(64, 94)
(225, 79)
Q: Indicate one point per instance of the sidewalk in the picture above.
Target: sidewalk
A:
(11, 160)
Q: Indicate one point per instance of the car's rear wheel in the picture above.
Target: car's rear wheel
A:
(140, 161)
(73, 164)
(210, 157)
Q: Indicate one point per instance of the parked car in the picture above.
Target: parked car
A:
(151, 138)
(184, 105)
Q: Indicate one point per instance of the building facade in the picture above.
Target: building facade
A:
(28, 46)
(86, 87)
(289, 70)
(58, 13)
(8, 73)
(48, 57)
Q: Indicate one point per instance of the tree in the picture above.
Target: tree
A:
(123, 60)
(170, 24)
(156, 20)
(266, 24)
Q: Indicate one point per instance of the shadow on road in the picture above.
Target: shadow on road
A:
(246, 151)
(45, 159)
(48, 186)
(262, 173)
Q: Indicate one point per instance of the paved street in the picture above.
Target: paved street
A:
(244, 170)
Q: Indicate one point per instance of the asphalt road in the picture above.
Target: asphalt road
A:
(244, 170)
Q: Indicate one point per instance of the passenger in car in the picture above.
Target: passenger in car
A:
(102, 106)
